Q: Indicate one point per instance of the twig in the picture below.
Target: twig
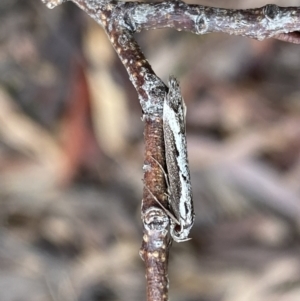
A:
(265, 22)
(155, 253)
(156, 223)
(151, 91)
(269, 21)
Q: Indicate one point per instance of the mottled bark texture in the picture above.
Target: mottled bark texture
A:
(156, 224)
(270, 21)
(120, 20)
(155, 251)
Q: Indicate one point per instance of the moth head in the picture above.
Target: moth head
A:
(175, 101)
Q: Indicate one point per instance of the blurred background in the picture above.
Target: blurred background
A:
(71, 155)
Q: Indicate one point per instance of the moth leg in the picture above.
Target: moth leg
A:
(168, 184)
(163, 207)
(165, 174)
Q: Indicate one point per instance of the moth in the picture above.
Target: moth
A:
(180, 200)
(178, 173)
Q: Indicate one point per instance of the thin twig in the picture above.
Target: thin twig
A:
(156, 223)
(151, 91)
(269, 21)
(155, 253)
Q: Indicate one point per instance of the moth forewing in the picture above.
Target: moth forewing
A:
(180, 199)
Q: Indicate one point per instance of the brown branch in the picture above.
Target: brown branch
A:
(155, 253)
(151, 91)
(156, 238)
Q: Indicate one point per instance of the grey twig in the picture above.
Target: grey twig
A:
(270, 21)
